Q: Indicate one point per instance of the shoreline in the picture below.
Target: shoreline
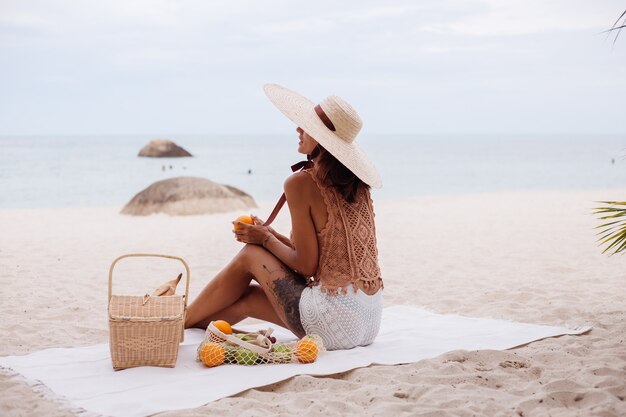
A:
(617, 192)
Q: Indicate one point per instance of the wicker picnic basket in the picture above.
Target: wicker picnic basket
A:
(146, 330)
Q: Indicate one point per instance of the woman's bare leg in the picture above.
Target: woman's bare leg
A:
(253, 303)
(221, 292)
(281, 286)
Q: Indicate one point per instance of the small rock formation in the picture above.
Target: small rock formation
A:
(182, 196)
(163, 148)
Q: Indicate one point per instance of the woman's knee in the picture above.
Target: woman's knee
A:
(250, 256)
(250, 252)
(243, 259)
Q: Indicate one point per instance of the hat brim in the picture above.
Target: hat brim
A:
(301, 111)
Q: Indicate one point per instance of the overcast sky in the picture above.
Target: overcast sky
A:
(197, 66)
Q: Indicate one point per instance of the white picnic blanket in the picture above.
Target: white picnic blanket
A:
(83, 379)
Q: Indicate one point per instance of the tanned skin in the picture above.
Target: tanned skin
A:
(266, 278)
(287, 289)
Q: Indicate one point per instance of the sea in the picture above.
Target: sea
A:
(105, 171)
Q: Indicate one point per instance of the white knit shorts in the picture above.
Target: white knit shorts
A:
(343, 321)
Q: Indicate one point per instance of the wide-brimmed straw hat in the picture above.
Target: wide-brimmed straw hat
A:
(333, 123)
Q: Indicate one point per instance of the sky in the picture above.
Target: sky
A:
(164, 67)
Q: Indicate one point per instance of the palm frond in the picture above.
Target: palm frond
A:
(612, 233)
(617, 26)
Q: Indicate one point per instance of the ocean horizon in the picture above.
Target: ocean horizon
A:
(105, 171)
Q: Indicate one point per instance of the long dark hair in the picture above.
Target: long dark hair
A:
(333, 173)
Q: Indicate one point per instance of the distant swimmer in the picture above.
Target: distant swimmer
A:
(249, 171)
(613, 161)
(162, 167)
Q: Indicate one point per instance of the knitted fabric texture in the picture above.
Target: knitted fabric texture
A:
(347, 243)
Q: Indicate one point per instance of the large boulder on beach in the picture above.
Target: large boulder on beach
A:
(183, 196)
(163, 148)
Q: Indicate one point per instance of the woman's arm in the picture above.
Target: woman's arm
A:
(302, 254)
(284, 239)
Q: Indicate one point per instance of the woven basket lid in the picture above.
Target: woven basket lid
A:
(132, 308)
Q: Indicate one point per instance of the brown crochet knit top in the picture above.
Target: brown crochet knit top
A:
(347, 243)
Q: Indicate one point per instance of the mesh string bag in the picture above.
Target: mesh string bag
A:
(255, 348)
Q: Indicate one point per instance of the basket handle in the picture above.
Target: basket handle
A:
(150, 255)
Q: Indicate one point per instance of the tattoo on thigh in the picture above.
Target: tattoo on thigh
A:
(281, 270)
(288, 290)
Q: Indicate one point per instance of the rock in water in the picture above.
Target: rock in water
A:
(183, 196)
(162, 148)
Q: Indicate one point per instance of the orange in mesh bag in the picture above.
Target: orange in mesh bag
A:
(224, 345)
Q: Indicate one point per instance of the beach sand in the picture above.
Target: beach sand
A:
(528, 257)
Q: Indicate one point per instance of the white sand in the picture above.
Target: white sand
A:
(528, 257)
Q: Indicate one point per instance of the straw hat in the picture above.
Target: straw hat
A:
(333, 123)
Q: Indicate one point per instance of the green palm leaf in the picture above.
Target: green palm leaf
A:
(612, 233)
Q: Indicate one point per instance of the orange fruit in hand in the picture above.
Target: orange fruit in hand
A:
(212, 354)
(243, 219)
(223, 326)
(306, 350)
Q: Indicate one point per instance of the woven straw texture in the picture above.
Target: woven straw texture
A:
(340, 143)
(145, 330)
(125, 307)
(145, 335)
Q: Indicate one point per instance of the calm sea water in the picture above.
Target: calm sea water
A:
(39, 171)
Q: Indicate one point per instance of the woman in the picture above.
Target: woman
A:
(325, 279)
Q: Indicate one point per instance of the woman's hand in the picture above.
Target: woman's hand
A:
(259, 222)
(255, 233)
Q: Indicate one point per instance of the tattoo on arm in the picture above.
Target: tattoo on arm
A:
(288, 290)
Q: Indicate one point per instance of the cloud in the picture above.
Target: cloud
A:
(67, 60)
(521, 17)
